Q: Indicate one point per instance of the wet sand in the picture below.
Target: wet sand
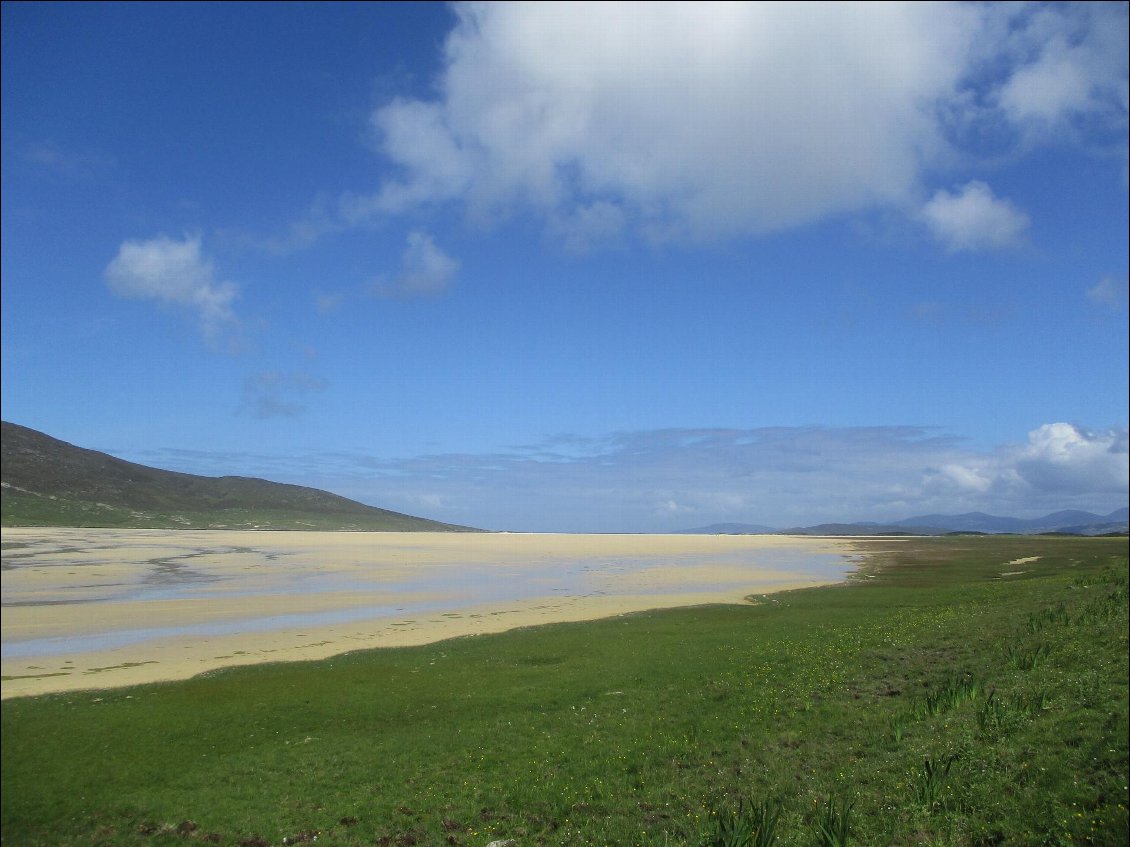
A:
(101, 608)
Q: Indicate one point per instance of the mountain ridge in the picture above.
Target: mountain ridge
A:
(49, 482)
(1068, 521)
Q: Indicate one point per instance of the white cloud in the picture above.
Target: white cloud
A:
(174, 273)
(1070, 63)
(968, 476)
(1059, 463)
(974, 219)
(415, 136)
(1063, 457)
(709, 120)
(425, 269)
(1045, 90)
(695, 120)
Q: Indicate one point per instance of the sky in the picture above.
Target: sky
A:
(578, 267)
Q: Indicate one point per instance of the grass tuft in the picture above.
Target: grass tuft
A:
(833, 823)
(751, 825)
(948, 696)
(931, 780)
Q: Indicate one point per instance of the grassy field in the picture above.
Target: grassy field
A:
(931, 701)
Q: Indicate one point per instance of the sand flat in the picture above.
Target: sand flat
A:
(100, 608)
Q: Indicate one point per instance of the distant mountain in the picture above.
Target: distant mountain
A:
(47, 482)
(860, 529)
(819, 529)
(1082, 523)
(1072, 522)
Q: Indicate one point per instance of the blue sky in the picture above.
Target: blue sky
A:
(557, 267)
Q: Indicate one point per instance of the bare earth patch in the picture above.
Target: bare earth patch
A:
(1023, 561)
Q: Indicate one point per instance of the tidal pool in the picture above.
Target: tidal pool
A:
(94, 608)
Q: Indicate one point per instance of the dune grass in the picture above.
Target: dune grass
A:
(930, 701)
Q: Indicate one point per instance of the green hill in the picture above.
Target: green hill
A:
(47, 482)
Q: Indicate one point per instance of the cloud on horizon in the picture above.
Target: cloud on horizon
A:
(690, 122)
(680, 478)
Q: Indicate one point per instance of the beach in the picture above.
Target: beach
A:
(102, 608)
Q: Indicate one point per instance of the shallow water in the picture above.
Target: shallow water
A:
(105, 597)
(464, 584)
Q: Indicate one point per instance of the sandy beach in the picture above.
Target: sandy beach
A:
(101, 608)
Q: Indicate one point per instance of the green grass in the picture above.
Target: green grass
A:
(682, 727)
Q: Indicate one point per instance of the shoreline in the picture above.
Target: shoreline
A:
(95, 608)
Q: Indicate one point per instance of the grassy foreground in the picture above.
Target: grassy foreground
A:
(931, 701)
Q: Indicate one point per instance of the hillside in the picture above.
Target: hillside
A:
(47, 482)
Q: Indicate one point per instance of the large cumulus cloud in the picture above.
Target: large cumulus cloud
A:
(702, 121)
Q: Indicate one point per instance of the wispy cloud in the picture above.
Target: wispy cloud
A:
(1110, 293)
(176, 274)
(974, 219)
(425, 269)
(322, 219)
(68, 162)
(276, 394)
